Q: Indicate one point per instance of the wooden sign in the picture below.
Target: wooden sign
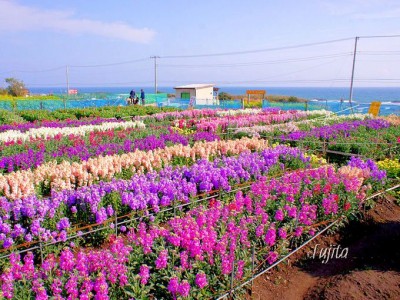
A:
(255, 92)
(374, 108)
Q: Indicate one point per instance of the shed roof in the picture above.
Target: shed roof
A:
(195, 86)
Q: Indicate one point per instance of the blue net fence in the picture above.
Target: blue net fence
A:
(337, 106)
(162, 100)
(76, 101)
(199, 103)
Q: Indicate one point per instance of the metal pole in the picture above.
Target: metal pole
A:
(352, 73)
(66, 72)
(155, 72)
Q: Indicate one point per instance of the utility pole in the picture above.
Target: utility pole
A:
(155, 72)
(352, 74)
(67, 75)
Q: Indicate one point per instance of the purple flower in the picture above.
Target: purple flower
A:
(63, 224)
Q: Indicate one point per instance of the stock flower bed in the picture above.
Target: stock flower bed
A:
(23, 127)
(265, 118)
(372, 138)
(44, 145)
(77, 148)
(21, 116)
(67, 175)
(185, 233)
(308, 124)
(194, 254)
(49, 219)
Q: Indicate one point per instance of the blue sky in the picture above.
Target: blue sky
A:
(40, 38)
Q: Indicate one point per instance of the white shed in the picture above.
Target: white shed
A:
(204, 94)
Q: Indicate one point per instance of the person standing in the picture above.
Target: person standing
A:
(132, 95)
(142, 96)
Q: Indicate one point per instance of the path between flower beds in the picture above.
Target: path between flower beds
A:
(371, 271)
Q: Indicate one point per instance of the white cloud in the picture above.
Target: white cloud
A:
(17, 17)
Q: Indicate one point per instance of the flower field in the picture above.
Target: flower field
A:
(177, 205)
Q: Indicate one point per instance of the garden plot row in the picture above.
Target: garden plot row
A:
(177, 242)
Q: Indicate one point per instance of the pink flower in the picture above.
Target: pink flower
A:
(173, 285)
(282, 233)
(184, 288)
(239, 271)
(279, 215)
(272, 257)
(270, 236)
(144, 274)
(161, 261)
(201, 280)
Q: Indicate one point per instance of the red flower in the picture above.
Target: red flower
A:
(213, 203)
(327, 189)
(336, 198)
(398, 139)
(346, 206)
(232, 206)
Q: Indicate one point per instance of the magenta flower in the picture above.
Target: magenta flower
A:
(161, 261)
(201, 280)
(239, 271)
(184, 288)
(173, 285)
(144, 274)
(272, 257)
(279, 215)
(282, 233)
(270, 236)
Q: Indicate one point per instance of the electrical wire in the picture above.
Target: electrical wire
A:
(110, 64)
(290, 60)
(259, 50)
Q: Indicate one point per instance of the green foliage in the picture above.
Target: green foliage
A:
(293, 99)
(225, 96)
(36, 115)
(7, 117)
(15, 87)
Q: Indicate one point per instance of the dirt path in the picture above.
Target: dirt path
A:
(370, 271)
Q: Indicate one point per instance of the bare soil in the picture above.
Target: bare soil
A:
(370, 271)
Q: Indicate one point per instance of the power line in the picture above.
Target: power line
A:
(34, 71)
(290, 60)
(111, 64)
(259, 50)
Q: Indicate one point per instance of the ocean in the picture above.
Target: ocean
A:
(361, 95)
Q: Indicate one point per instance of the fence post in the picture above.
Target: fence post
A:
(232, 277)
(41, 251)
(116, 224)
(253, 253)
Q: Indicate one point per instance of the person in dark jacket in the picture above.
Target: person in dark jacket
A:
(142, 96)
(132, 95)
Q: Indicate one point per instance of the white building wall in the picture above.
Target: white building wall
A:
(204, 96)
